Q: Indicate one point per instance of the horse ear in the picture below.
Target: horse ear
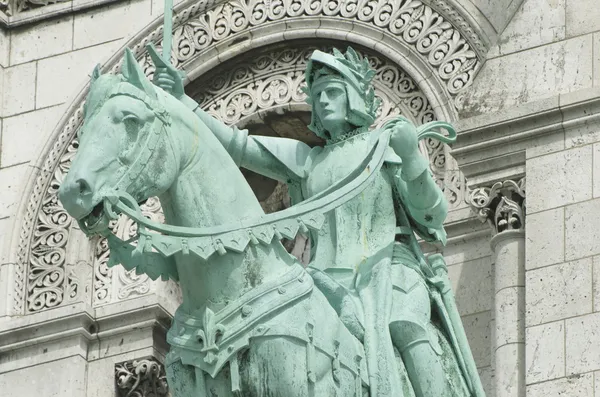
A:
(134, 74)
(96, 73)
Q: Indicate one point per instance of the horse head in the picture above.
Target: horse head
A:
(124, 147)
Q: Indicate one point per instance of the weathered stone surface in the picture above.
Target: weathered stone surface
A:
(509, 249)
(467, 250)
(536, 22)
(4, 237)
(5, 287)
(559, 179)
(508, 382)
(510, 310)
(60, 76)
(581, 17)
(582, 341)
(477, 328)
(559, 291)
(486, 374)
(515, 79)
(596, 58)
(18, 93)
(596, 283)
(596, 170)
(90, 27)
(472, 285)
(30, 127)
(61, 378)
(158, 7)
(581, 229)
(12, 181)
(498, 12)
(545, 352)
(49, 38)
(573, 386)
(544, 240)
(4, 47)
(545, 144)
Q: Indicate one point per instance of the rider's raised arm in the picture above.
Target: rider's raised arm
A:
(277, 158)
(281, 159)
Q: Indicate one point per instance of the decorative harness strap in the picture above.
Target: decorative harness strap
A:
(162, 120)
(209, 340)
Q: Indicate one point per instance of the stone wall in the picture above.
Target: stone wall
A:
(562, 266)
(533, 111)
(44, 67)
(550, 47)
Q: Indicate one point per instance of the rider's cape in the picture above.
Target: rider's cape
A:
(376, 294)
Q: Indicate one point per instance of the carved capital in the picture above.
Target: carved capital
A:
(141, 378)
(502, 205)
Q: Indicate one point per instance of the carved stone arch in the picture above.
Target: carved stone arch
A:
(432, 49)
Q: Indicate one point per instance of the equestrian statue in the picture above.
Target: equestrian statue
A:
(369, 316)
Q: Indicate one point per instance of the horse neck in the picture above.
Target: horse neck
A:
(210, 190)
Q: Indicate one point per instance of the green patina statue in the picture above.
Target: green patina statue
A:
(382, 319)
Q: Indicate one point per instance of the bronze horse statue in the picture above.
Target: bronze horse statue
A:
(251, 319)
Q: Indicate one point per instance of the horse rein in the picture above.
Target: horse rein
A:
(286, 223)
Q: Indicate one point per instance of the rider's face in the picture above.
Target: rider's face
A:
(331, 107)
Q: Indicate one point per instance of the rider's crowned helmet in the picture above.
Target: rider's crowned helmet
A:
(355, 74)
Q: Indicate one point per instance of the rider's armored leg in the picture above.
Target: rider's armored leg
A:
(409, 328)
(421, 355)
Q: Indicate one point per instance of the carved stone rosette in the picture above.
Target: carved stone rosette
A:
(141, 378)
(502, 205)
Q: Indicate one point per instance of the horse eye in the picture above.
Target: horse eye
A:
(132, 124)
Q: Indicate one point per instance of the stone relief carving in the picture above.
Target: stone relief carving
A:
(141, 378)
(12, 7)
(40, 280)
(502, 205)
(450, 12)
(418, 25)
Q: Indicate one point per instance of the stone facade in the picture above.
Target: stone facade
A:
(516, 77)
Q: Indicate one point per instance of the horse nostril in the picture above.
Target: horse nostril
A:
(84, 187)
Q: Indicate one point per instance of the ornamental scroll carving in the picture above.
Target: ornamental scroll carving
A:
(455, 58)
(41, 277)
(502, 206)
(141, 378)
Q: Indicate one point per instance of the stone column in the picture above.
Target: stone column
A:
(503, 207)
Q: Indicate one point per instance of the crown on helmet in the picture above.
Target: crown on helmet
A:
(355, 73)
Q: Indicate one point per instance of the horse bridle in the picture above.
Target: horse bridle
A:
(162, 120)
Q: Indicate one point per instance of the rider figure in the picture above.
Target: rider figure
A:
(364, 257)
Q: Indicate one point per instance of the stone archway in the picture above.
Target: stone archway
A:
(438, 61)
